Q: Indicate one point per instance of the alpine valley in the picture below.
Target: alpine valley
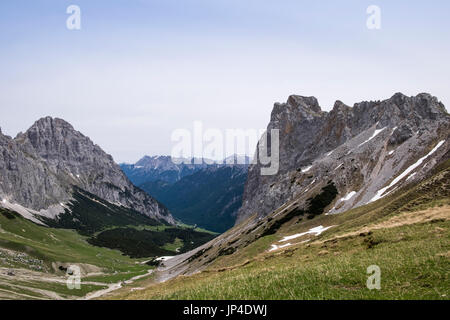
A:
(358, 186)
(206, 195)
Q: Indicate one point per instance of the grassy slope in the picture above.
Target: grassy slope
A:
(406, 235)
(121, 228)
(43, 246)
(52, 245)
(58, 246)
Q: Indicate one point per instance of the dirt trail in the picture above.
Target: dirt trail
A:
(33, 276)
(113, 287)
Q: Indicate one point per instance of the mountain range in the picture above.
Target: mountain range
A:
(358, 186)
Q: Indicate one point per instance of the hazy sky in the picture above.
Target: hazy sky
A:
(139, 69)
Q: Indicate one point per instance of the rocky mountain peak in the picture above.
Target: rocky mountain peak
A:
(44, 165)
(370, 143)
(297, 108)
(340, 107)
(307, 103)
(56, 140)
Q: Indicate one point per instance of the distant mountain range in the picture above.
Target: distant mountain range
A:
(207, 195)
(160, 168)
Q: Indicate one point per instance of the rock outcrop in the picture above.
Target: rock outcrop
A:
(367, 151)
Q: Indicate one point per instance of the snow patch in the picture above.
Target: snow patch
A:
(377, 132)
(276, 247)
(380, 192)
(391, 152)
(316, 231)
(306, 169)
(331, 211)
(349, 196)
(165, 258)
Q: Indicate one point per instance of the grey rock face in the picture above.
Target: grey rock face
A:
(40, 167)
(362, 149)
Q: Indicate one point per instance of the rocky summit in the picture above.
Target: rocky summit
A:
(43, 167)
(365, 151)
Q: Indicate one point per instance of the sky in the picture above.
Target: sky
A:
(139, 69)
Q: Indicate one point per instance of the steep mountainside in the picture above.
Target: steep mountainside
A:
(209, 198)
(42, 168)
(348, 170)
(365, 151)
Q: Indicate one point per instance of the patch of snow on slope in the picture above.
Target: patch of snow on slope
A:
(391, 152)
(165, 258)
(316, 231)
(276, 247)
(331, 211)
(346, 198)
(349, 196)
(306, 169)
(380, 192)
(377, 132)
(338, 167)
